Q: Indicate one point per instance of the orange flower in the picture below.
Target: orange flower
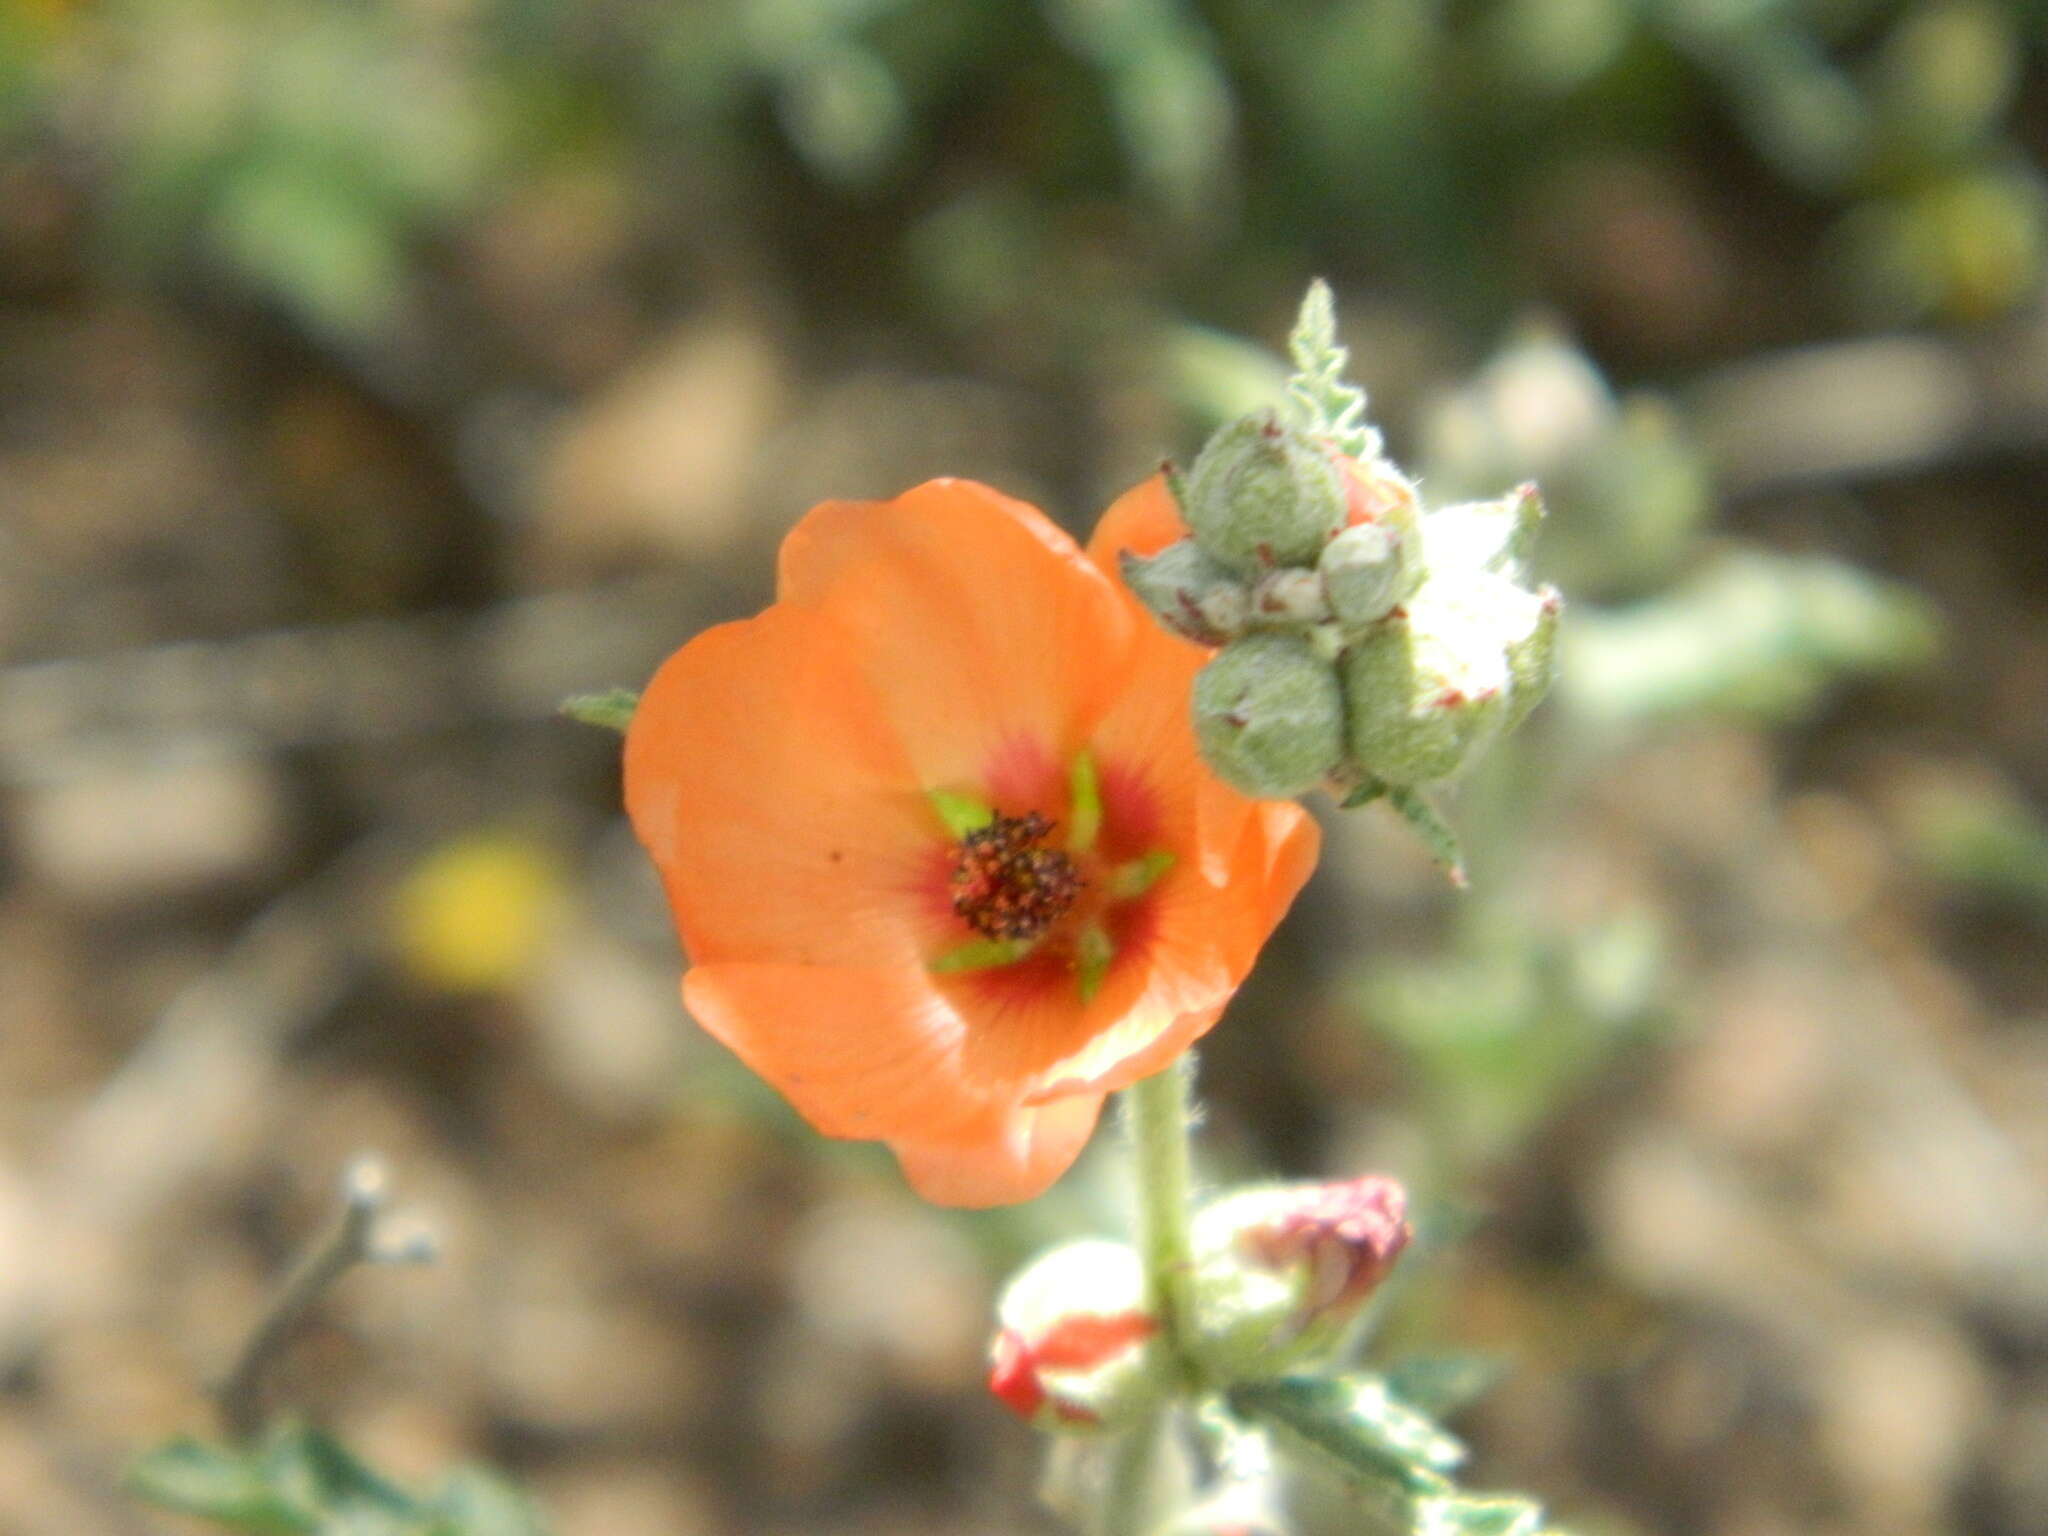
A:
(943, 858)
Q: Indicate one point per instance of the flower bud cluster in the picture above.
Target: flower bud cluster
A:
(1361, 638)
(1279, 1272)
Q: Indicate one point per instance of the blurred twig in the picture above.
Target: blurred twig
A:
(374, 680)
(355, 1235)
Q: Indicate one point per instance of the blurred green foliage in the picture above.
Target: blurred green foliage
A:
(1506, 1025)
(1985, 837)
(317, 149)
(303, 1482)
(1749, 633)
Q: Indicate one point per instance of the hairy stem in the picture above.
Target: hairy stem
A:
(1133, 1460)
(1159, 1109)
(1158, 1114)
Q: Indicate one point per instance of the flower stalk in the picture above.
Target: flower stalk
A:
(1158, 1111)
(1158, 1114)
(1131, 1473)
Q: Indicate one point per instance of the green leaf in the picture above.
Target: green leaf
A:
(318, 1472)
(304, 1482)
(330, 250)
(843, 111)
(1353, 1426)
(1177, 480)
(1435, 832)
(612, 709)
(1364, 794)
(1326, 404)
(1981, 834)
(1476, 1515)
(478, 1502)
(214, 1483)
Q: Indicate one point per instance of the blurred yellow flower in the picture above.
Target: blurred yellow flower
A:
(473, 913)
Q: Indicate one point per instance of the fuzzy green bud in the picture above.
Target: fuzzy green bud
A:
(1408, 723)
(1289, 598)
(1432, 683)
(1282, 1270)
(1262, 495)
(1191, 594)
(1269, 715)
(1077, 1348)
(1495, 535)
(1369, 570)
(1532, 660)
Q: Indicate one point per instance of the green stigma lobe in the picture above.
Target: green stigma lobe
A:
(1084, 804)
(980, 955)
(1093, 951)
(961, 814)
(1139, 875)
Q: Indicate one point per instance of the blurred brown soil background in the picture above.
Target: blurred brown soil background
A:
(304, 536)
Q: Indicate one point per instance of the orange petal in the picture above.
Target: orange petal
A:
(979, 624)
(864, 1052)
(1275, 859)
(1019, 1157)
(1144, 520)
(1203, 940)
(780, 810)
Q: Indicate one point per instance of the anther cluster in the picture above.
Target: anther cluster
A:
(1006, 884)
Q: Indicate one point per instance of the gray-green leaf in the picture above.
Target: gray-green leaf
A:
(477, 1502)
(611, 709)
(1355, 1426)
(1474, 1515)
(218, 1484)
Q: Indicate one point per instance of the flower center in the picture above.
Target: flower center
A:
(1006, 885)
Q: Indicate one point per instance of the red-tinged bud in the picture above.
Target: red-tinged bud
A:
(1347, 1235)
(1076, 1348)
(1281, 1270)
(1013, 1375)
